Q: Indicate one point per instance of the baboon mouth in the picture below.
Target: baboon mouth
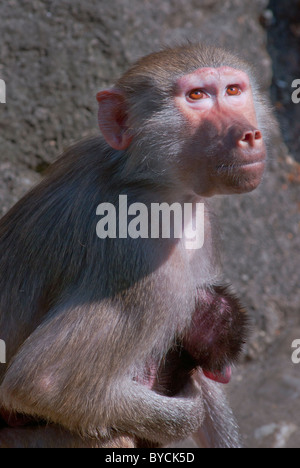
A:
(256, 164)
(223, 376)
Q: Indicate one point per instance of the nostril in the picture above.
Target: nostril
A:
(258, 135)
(251, 138)
(247, 137)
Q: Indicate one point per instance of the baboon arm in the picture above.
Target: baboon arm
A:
(49, 379)
(52, 436)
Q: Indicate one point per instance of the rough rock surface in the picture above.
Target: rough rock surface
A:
(55, 56)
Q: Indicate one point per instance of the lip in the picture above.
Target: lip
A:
(246, 165)
(251, 164)
(222, 377)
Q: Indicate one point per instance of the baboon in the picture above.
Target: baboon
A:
(118, 341)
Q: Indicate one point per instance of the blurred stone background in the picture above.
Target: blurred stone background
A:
(55, 55)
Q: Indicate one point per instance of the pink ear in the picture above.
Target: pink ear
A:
(112, 117)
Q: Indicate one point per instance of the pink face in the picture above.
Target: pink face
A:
(226, 153)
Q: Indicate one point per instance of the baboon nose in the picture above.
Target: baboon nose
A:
(251, 138)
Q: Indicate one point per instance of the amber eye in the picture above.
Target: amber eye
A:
(197, 94)
(233, 90)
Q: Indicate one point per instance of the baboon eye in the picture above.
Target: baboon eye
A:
(197, 94)
(234, 90)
